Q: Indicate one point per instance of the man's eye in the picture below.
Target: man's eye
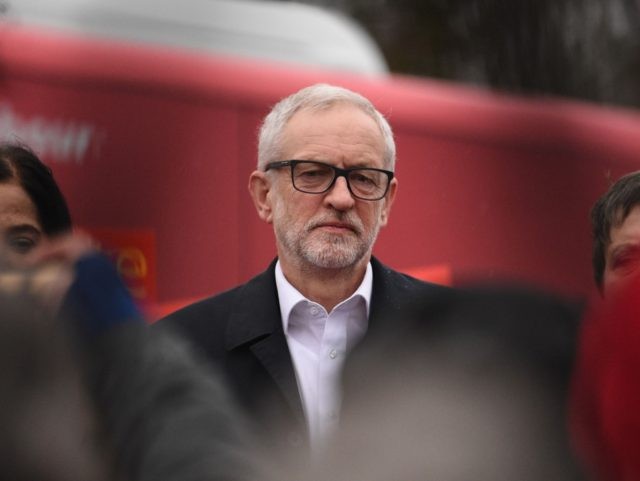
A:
(313, 173)
(22, 245)
(363, 179)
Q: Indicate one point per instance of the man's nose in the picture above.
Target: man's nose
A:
(339, 197)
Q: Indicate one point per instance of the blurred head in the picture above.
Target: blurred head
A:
(615, 222)
(31, 204)
(476, 391)
(334, 128)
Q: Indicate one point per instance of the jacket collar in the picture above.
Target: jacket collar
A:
(256, 310)
(255, 322)
(255, 313)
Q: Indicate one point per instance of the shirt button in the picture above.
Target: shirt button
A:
(314, 311)
(333, 354)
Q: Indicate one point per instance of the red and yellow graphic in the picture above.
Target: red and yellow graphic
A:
(133, 252)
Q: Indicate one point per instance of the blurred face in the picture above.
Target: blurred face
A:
(20, 230)
(331, 230)
(622, 258)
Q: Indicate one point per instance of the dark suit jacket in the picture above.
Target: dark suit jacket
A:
(241, 332)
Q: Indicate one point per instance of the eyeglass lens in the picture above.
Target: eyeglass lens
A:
(315, 178)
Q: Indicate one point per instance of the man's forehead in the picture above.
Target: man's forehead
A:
(338, 122)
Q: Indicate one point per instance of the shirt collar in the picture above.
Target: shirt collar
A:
(289, 296)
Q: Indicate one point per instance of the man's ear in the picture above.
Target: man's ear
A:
(388, 201)
(259, 187)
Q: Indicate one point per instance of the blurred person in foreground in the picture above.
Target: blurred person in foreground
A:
(606, 387)
(90, 392)
(477, 393)
(127, 403)
(49, 428)
(325, 181)
(46, 417)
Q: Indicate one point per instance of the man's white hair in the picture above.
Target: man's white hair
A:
(314, 98)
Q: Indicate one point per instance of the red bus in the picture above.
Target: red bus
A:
(153, 147)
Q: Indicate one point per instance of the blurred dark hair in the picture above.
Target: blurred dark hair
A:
(610, 211)
(19, 163)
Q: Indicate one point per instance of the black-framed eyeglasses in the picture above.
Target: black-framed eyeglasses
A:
(313, 177)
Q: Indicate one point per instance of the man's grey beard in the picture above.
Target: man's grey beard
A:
(329, 251)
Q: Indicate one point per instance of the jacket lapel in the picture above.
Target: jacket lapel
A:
(386, 296)
(256, 325)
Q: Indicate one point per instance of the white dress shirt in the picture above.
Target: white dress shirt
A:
(319, 342)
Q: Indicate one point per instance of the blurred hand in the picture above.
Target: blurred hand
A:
(48, 271)
(65, 249)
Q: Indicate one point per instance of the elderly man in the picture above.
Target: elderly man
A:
(615, 221)
(325, 181)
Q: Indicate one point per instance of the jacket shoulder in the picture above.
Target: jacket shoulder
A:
(398, 283)
(212, 305)
(395, 295)
(209, 317)
(203, 320)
